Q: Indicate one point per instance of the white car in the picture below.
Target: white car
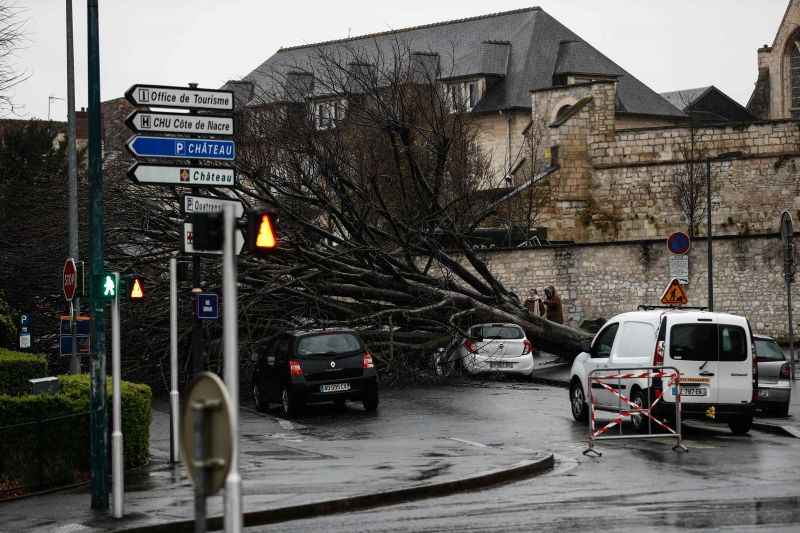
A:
(712, 351)
(502, 348)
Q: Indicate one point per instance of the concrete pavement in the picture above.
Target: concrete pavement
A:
(288, 472)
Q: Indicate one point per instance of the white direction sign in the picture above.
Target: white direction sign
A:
(185, 176)
(179, 97)
(188, 237)
(193, 204)
(153, 122)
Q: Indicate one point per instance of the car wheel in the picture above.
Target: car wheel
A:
(290, 405)
(740, 425)
(371, 398)
(639, 422)
(261, 403)
(577, 400)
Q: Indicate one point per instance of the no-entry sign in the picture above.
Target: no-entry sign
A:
(70, 279)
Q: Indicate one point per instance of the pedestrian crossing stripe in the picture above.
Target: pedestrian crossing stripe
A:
(674, 294)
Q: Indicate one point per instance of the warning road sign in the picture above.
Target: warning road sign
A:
(674, 294)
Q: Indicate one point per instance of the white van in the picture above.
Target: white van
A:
(712, 351)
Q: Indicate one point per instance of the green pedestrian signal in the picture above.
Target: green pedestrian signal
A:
(106, 286)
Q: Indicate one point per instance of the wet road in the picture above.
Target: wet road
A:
(724, 483)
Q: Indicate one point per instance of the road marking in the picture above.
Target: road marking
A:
(471, 443)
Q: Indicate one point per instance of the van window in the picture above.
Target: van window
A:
(708, 342)
(605, 341)
(637, 339)
(732, 343)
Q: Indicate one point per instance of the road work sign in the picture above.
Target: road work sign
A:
(674, 294)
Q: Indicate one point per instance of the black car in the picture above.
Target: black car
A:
(299, 367)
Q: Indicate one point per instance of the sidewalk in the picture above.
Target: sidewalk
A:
(287, 473)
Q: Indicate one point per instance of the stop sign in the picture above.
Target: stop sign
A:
(70, 279)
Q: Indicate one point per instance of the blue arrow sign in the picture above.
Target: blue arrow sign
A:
(183, 148)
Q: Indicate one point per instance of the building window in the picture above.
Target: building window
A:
(794, 64)
(328, 113)
(464, 95)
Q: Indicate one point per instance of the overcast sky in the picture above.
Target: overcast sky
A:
(668, 44)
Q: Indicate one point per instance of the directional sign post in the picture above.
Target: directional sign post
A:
(153, 122)
(185, 176)
(181, 148)
(179, 97)
(193, 204)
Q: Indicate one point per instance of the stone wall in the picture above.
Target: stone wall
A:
(601, 280)
(494, 141)
(617, 184)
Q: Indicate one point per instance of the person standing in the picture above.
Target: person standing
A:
(555, 312)
(534, 303)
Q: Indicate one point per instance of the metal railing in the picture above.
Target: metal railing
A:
(45, 454)
(627, 408)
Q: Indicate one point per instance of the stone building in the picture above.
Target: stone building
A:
(777, 92)
(616, 152)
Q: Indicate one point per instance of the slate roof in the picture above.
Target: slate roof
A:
(685, 98)
(535, 53)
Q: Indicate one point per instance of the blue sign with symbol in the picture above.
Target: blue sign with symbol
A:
(25, 321)
(679, 243)
(183, 148)
(207, 306)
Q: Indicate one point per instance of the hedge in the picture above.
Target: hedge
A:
(44, 439)
(17, 368)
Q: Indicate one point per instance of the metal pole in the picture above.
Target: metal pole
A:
(233, 483)
(791, 325)
(117, 470)
(200, 468)
(710, 237)
(72, 173)
(198, 362)
(99, 423)
(174, 448)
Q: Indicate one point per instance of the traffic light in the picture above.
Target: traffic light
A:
(106, 286)
(136, 292)
(262, 236)
(207, 230)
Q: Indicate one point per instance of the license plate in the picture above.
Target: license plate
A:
(500, 364)
(694, 391)
(334, 387)
(763, 394)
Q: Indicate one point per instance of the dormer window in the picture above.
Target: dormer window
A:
(327, 113)
(464, 95)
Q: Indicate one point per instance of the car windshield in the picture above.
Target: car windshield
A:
(769, 350)
(332, 343)
(497, 332)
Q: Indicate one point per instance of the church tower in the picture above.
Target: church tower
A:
(777, 92)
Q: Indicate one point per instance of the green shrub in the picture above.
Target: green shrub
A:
(17, 368)
(44, 439)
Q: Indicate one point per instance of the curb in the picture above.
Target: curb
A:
(777, 428)
(360, 502)
(550, 381)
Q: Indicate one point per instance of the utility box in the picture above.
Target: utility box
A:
(48, 385)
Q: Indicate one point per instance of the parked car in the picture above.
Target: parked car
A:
(500, 348)
(309, 366)
(774, 376)
(712, 351)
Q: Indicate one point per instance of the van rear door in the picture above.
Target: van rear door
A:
(691, 347)
(735, 364)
